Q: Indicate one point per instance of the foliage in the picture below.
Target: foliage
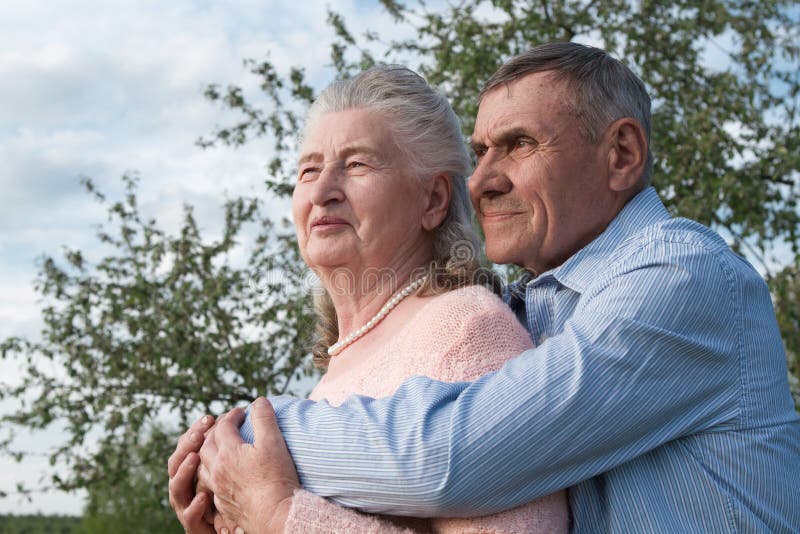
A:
(38, 524)
(163, 324)
(135, 501)
(786, 291)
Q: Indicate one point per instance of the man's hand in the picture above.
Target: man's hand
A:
(252, 484)
(182, 468)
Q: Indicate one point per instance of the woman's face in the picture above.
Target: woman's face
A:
(354, 204)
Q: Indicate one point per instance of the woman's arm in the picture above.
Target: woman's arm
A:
(310, 514)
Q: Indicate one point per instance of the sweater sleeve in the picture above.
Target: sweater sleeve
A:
(310, 514)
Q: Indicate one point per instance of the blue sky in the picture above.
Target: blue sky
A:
(100, 88)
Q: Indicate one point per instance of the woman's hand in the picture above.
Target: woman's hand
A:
(182, 468)
(252, 484)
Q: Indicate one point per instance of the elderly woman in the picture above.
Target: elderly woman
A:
(382, 216)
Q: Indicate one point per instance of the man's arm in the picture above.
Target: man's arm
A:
(651, 355)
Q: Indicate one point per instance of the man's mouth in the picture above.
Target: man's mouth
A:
(497, 215)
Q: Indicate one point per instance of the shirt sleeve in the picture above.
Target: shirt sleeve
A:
(611, 386)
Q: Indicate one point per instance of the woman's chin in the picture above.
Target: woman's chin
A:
(328, 259)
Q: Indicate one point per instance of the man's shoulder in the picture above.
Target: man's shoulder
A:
(685, 243)
(678, 230)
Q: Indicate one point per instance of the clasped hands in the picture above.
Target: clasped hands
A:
(219, 483)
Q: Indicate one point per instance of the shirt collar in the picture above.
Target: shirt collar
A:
(514, 292)
(581, 268)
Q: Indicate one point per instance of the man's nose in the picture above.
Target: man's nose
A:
(328, 186)
(490, 177)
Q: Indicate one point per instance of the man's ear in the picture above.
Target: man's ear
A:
(438, 201)
(627, 155)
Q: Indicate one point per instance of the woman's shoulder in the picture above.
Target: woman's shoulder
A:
(473, 299)
(470, 330)
(467, 308)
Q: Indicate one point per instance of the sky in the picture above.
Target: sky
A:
(99, 89)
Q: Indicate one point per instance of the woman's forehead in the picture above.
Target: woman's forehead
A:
(346, 132)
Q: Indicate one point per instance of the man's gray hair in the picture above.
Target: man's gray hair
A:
(603, 87)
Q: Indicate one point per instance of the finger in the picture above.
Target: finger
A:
(208, 517)
(203, 480)
(189, 442)
(227, 430)
(265, 426)
(208, 452)
(221, 525)
(181, 486)
(193, 515)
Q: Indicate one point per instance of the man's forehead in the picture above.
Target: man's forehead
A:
(498, 120)
(525, 102)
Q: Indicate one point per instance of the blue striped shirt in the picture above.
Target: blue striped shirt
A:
(657, 393)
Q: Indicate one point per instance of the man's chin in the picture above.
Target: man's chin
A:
(499, 256)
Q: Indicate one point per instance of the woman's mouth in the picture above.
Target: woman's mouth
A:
(327, 222)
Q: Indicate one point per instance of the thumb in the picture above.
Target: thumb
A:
(267, 434)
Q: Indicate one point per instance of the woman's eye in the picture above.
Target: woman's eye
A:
(307, 172)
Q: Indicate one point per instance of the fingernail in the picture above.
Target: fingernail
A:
(193, 437)
(239, 530)
(204, 420)
(262, 403)
(225, 531)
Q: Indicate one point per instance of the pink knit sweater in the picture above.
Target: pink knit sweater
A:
(459, 335)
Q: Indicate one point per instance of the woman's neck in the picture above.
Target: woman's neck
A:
(359, 293)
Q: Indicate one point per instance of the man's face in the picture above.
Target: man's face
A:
(540, 188)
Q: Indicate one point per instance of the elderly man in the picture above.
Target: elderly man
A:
(657, 391)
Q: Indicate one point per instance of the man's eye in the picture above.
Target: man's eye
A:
(354, 164)
(523, 142)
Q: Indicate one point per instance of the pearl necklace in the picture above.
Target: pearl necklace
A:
(339, 346)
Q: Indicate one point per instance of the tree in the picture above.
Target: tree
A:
(161, 325)
(724, 76)
(135, 502)
(164, 324)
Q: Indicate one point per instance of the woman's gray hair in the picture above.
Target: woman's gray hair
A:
(428, 133)
(603, 87)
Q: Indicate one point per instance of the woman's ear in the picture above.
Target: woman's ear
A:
(437, 202)
(627, 154)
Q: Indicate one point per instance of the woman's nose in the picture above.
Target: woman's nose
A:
(327, 187)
